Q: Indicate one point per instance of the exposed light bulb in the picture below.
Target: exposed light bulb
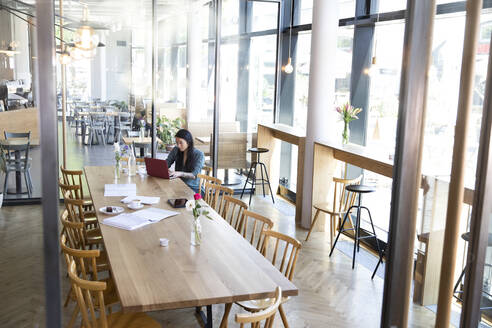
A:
(288, 69)
(65, 58)
(87, 40)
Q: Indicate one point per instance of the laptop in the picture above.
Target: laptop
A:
(157, 167)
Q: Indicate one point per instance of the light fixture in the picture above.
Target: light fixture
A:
(288, 69)
(370, 70)
(86, 38)
(65, 58)
(10, 50)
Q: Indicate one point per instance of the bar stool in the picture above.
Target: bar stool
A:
(359, 190)
(254, 181)
(457, 293)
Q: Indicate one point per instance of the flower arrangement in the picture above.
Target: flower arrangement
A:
(348, 113)
(118, 154)
(198, 210)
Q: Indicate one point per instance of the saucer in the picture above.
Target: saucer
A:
(136, 207)
(116, 210)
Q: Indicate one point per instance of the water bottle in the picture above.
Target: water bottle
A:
(132, 163)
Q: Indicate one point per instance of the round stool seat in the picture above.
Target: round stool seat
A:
(258, 150)
(360, 189)
(467, 236)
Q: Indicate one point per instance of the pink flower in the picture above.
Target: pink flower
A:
(197, 196)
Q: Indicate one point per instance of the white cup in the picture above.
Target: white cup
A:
(136, 203)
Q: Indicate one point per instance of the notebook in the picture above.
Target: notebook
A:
(138, 219)
(126, 189)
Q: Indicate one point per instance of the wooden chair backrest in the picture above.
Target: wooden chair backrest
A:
(70, 191)
(87, 292)
(214, 195)
(138, 160)
(343, 199)
(73, 177)
(232, 211)
(207, 170)
(84, 259)
(75, 208)
(257, 317)
(288, 248)
(74, 231)
(252, 227)
(205, 178)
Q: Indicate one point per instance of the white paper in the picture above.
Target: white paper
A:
(145, 199)
(138, 219)
(113, 190)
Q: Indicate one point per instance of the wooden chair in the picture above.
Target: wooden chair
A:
(267, 314)
(257, 224)
(86, 237)
(75, 177)
(206, 178)
(207, 170)
(289, 248)
(73, 192)
(88, 291)
(214, 195)
(342, 200)
(233, 210)
(87, 263)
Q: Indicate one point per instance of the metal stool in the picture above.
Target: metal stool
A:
(359, 190)
(254, 181)
(457, 293)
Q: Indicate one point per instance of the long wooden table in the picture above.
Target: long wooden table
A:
(225, 268)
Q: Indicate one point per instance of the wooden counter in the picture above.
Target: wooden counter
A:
(435, 195)
(269, 136)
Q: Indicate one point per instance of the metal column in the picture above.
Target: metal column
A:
(46, 95)
(419, 25)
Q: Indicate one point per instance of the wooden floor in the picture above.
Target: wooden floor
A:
(331, 294)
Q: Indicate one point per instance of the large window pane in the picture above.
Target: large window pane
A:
(346, 8)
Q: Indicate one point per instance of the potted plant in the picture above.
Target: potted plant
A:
(167, 129)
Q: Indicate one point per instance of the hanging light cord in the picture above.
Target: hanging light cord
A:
(291, 19)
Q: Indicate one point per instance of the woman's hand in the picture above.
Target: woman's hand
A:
(175, 174)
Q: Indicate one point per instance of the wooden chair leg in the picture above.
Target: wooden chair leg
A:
(332, 229)
(223, 323)
(313, 224)
(74, 316)
(68, 297)
(282, 315)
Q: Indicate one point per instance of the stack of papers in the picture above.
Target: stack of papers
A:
(113, 190)
(144, 199)
(138, 219)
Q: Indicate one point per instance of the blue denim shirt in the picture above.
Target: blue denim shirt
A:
(195, 162)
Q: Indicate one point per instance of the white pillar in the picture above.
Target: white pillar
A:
(321, 118)
(98, 72)
(193, 60)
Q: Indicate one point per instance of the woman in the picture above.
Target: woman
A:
(188, 160)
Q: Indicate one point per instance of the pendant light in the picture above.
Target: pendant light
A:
(288, 68)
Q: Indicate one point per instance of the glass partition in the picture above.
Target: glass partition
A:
(247, 85)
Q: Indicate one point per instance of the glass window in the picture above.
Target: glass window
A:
(230, 17)
(346, 9)
(342, 82)
(264, 16)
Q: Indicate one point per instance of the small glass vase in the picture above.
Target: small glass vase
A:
(196, 232)
(117, 170)
(346, 133)
(132, 163)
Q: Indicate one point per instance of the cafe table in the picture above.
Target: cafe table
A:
(225, 268)
(13, 142)
(146, 140)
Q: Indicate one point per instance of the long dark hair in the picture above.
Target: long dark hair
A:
(186, 135)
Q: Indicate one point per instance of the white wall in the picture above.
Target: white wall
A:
(21, 35)
(118, 66)
(6, 72)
